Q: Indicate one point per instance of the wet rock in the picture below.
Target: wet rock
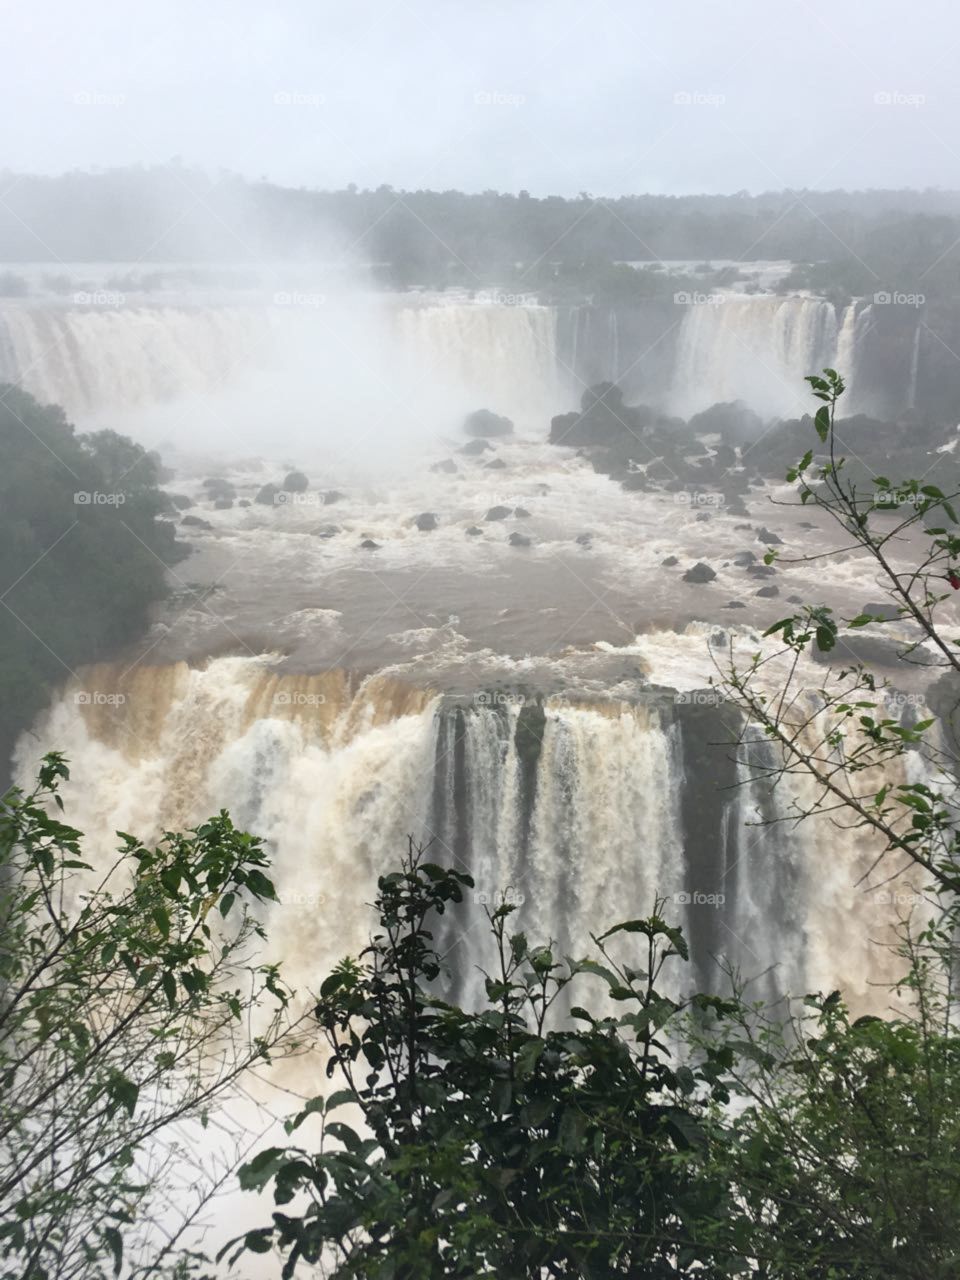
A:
(744, 558)
(498, 513)
(735, 604)
(795, 599)
(735, 421)
(223, 504)
(325, 531)
(484, 424)
(699, 573)
(368, 544)
(267, 494)
(718, 640)
(703, 517)
(194, 522)
(882, 609)
(521, 512)
(295, 482)
(634, 482)
(244, 502)
(737, 507)
(497, 464)
(519, 540)
(584, 539)
(762, 571)
(425, 521)
(217, 487)
(475, 447)
(331, 496)
(447, 467)
(725, 456)
(474, 532)
(180, 501)
(768, 592)
(771, 539)
(669, 562)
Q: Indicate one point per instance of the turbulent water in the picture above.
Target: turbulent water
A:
(512, 701)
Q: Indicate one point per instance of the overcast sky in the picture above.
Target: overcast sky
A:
(555, 96)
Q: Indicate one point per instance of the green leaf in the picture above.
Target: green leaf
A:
(822, 422)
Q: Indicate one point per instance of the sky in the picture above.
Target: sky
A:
(550, 96)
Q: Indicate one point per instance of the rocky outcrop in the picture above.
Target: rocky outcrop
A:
(484, 424)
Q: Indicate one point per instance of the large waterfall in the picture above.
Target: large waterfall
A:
(582, 813)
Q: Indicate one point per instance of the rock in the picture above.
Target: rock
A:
(737, 507)
(761, 571)
(703, 517)
(425, 521)
(699, 573)
(795, 599)
(769, 592)
(743, 526)
(725, 456)
(883, 610)
(244, 502)
(295, 482)
(497, 464)
(669, 562)
(475, 447)
(519, 540)
(194, 522)
(735, 604)
(498, 513)
(368, 544)
(771, 539)
(223, 504)
(267, 494)
(217, 487)
(180, 501)
(634, 482)
(718, 640)
(474, 532)
(733, 420)
(447, 467)
(484, 424)
(744, 558)
(521, 512)
(584, 539)
(325, 531)
(331, 496)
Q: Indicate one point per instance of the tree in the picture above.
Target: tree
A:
(492, 1143)
(129, 1003)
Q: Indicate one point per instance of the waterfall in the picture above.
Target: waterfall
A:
(756, 349)
(582, 813)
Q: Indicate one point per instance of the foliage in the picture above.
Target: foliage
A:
(82, 552)
(491, 1143)
(129, 1005)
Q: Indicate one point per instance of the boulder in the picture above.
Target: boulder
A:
(735, 604)
(484, 424)
(733, 420)
(768, 592)
(244, 502)
(180, 501)
(699, 573)
(761, 571)
(194, 522)
(267, 494)
(497, 464)
(331, 496)
(498, 513)
(474, 531)
(223, 504)
(883, 610)
(771, 539)
(794, 599)
(744, 558)
(519, 540)
(217, 487)
(584, 539)
(669, 562)
(475, 447)
(368, 544)
(325, 531)
(447, 467)
(522, 512)
(295, 482)
(425, 521)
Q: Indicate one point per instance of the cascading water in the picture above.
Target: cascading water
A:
(582, 813)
